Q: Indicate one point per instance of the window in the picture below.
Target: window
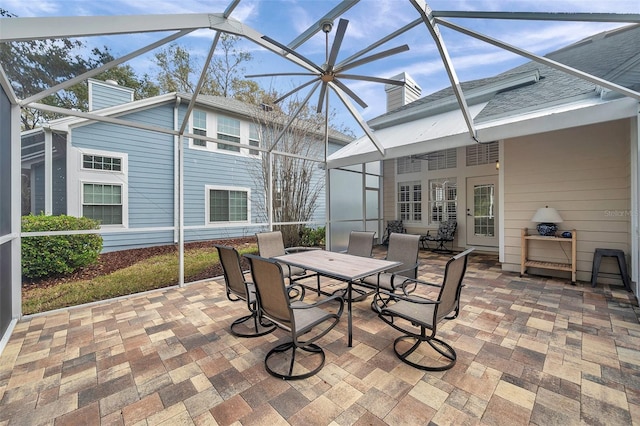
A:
(99, 162)
(228, 130)
(443, 199)
(444, 159)
(410, 201)
(254, 138)
(482, 153)
(407, 165)
(102, 202)
(200, 127)
(228, 205)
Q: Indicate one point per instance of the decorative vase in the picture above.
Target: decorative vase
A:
(547, 229)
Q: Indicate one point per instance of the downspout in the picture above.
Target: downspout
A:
(180, 201)
(48, 171)
(176, 171)
(635, 202)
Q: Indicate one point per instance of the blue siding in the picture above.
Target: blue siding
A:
(107, 96)
(151, 180)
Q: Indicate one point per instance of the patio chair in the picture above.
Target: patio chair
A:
(393, 226)
(271, 244)
(403, 248)
(301, 319)
(361, 243)
(446, 233)
(417, 316)
(240, 289)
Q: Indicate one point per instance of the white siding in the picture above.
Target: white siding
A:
(585, 174)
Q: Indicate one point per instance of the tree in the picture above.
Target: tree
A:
(179, 71)
(36, 65)
(297, 182)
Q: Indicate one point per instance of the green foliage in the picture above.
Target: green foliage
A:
(58, 254)
(313, 237)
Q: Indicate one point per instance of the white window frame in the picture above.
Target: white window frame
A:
(100, 177)
(254, 139)
(449, 206)
(224, 133)
(195, 128)
(121, 201)
(207, 204)
(414, 202)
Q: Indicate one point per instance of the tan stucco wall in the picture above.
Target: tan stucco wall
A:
(585, 174)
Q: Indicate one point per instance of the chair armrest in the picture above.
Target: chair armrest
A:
(321, 302)
(410, 298)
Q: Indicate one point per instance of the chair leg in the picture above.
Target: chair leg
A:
(312, 348)
(438, 345)
(259, 328)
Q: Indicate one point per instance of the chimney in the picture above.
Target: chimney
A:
(104, 94)
(398, 96)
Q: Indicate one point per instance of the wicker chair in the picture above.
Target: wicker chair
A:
(446, 233)
(393, 226)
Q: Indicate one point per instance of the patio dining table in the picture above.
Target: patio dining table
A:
(340, 266)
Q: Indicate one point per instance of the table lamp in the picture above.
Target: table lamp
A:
(547, 217)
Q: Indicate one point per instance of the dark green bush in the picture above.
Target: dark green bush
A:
(58, 254)
(313, 237)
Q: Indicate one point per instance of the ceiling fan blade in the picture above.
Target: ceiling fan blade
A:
(337, 42)
(302, 86)
(350, 92)
(323, 90)
(278, 74)
(373, 79)
(292, 52)
(374, 57)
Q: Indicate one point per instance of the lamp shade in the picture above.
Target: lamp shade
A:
(546, 215)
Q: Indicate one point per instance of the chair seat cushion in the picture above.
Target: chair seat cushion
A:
(418, 313)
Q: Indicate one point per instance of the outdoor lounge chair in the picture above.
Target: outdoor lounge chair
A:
(393, 226)
(417, 316)
(403, 248)
(240, 289)
(301, 319)
(271, 244)
(446, 233)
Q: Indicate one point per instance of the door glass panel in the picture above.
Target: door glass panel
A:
(483, 210)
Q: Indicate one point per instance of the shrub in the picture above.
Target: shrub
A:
(313, 237)
(58, 254)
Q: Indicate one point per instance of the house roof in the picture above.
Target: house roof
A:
(215, 102)
(527, 94)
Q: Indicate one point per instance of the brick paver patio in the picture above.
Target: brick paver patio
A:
(530, 350)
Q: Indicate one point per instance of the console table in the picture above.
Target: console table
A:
(525, 262)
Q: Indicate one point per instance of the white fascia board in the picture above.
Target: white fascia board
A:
(63, 124)
(473, 96)
(581, 113)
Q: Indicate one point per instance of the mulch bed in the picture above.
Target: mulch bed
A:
(113, 261)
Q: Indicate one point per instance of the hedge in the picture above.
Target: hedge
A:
(58, 254)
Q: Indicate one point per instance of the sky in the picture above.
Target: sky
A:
(369, 21)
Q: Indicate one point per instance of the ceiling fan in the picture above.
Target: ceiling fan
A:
(330, 74)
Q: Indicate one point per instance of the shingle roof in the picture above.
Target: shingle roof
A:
(612, 55)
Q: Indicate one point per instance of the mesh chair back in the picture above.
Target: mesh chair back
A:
(403, 248)
(233, 276)
(270, 244)
(451, 286)
(361, 243)
(271, 291)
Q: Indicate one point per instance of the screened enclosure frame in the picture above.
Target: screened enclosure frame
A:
(25, 29)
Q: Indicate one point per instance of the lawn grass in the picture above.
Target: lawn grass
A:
(149, 274)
